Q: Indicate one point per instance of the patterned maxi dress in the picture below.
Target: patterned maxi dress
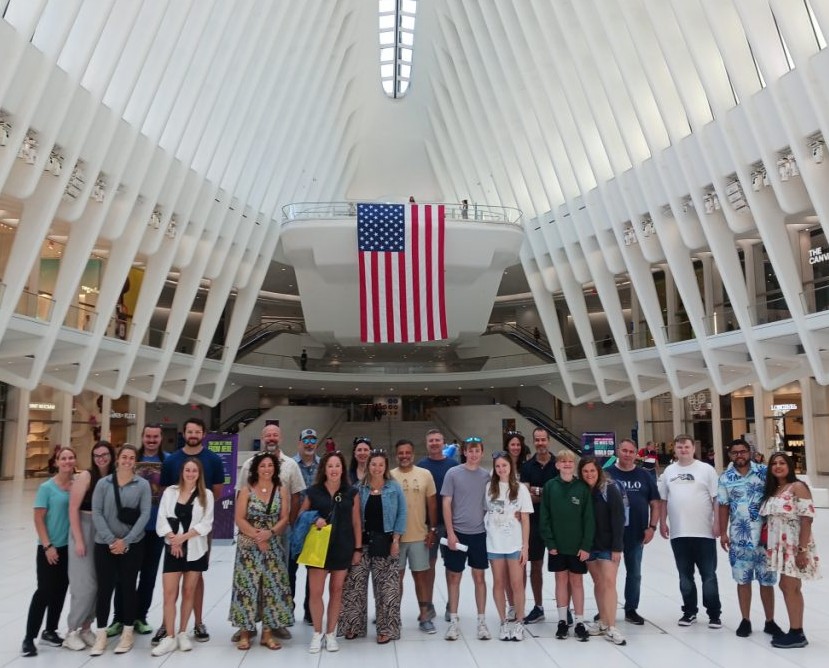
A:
(783, 515)
(260, 579)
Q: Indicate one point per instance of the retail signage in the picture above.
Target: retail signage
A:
(38, 406)
(817, 255)
(122, 416)
(227, 447)
(782, 408)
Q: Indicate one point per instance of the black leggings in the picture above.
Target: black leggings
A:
(52, 583)
(123, 569)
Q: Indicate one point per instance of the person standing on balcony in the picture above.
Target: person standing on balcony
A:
(303, 360)
(437, 463)
(465, 209)
(535, 473)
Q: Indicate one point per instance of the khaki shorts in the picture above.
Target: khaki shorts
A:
(417, 555)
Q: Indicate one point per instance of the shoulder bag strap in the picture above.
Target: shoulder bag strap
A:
(117, 493)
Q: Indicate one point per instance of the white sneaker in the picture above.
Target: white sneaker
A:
(73, 641)
(518, 631)
(511, 613)
(483, 631)
(168, 644)
(453, 632)
(615, 636)
(316, 643)
(88, 637)
(331, 643)
(184, 643)
(504, 631)
(596, 629)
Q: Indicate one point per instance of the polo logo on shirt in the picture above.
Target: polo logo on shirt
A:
(575, 500)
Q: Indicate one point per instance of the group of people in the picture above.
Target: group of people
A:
(101, 533)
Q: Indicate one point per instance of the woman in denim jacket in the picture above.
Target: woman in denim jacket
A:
(383, 512)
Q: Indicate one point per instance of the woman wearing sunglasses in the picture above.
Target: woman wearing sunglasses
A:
(508, 508)
(383, 514)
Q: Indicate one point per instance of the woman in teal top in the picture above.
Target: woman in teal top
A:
(52, 559)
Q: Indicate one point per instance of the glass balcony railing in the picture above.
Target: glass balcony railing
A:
(679, 331)
(38, 306)
(769, 310)
(481, 213)
(815, 298)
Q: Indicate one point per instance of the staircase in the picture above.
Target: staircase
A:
(559, 433)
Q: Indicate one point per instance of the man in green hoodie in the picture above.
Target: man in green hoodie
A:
(567, 528)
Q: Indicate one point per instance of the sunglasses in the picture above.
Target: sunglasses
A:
(473, 439)
(500, 453)
(378, 451)
(309, 441)
(514, 433)
(362, 439)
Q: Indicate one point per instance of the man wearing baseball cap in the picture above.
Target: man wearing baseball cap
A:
(308, 461)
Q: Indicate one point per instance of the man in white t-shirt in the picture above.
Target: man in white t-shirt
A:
(689, 507)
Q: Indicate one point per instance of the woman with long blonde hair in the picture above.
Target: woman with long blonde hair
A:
(185, 518)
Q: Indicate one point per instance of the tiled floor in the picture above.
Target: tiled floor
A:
(659, 643)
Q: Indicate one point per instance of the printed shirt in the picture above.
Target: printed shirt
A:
(743, 495)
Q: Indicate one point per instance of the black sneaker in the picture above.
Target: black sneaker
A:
(536, 615)
(51, 638)
(160, 634)
(563, 630)
(772, 629)
(634, 617)
(28, 648)
(581, 632)
(714, 623)
(790, 640)
(200, 633)
(597, 617)
(744, 629)
(687, 619)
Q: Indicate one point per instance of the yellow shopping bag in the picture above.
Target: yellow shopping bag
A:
(315, 547)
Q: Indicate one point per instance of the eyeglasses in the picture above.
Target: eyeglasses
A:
(309, 441)
(362, 439)
(473, 439)
(500, 453)
(101, 455)
(734, 453)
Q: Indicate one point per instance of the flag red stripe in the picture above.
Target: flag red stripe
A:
(430, 313)
(444, 330)
(416, 272)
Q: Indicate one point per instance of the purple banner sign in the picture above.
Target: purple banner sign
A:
(227, 447)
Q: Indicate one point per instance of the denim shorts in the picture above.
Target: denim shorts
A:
(509, 556)
(600, 555)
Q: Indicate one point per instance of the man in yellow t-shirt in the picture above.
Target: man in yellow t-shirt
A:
(421, 505)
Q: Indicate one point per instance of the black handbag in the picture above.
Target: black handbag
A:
(126, 515)
(378, 542)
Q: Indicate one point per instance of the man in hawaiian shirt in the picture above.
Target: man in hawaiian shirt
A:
(739, 493)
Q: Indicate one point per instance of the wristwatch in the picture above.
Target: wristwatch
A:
(652, 527)
(433, 529)
(358, 549)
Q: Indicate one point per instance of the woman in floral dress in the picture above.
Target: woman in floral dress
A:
(789, 511)
(260, 575)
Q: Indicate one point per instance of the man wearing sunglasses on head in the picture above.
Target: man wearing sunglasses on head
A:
(463, 511)
(308, 462)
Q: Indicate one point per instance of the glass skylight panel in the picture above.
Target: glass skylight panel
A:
(396, 23)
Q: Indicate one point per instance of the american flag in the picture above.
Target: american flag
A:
(402, 295)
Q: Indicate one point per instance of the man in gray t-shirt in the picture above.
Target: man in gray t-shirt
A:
(463, 493)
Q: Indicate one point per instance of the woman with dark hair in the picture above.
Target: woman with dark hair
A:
(185, 518)
(82, 582)
(358, 467)
(337, 503)
(518, 451)
(52, 527)
(507, 521)
(261, 589)
(383, 509)
(606, 553)
(120, 510)
(790, 547)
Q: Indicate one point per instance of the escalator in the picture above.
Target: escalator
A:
(567, 438)
(530, 340)
(256, 336)
(231, 425)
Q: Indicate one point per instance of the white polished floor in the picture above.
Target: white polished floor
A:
(657, 644)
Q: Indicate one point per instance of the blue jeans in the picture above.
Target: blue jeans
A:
(633, 572)
(702, 553)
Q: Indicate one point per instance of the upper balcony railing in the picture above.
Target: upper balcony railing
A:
(479, 213)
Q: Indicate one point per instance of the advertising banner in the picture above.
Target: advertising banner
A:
(599, 444)
(227, 447)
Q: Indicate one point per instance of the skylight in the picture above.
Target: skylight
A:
(396, 24)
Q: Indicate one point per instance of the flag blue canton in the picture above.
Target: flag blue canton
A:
(380, 228)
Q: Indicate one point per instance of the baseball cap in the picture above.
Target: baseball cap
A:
(307, 433)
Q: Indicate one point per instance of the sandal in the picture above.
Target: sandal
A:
(383, 640)
(350, 636)
(244, 641)
(267, 640)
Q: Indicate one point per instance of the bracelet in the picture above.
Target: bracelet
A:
(48, 547)
(801, 550)
(652, 527)
(433, 529)
(358, 549)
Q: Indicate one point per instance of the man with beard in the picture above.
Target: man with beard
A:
(535, 473)
(214, 478)
(740, 493)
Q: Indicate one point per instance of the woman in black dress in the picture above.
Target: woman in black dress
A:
(337, 503)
